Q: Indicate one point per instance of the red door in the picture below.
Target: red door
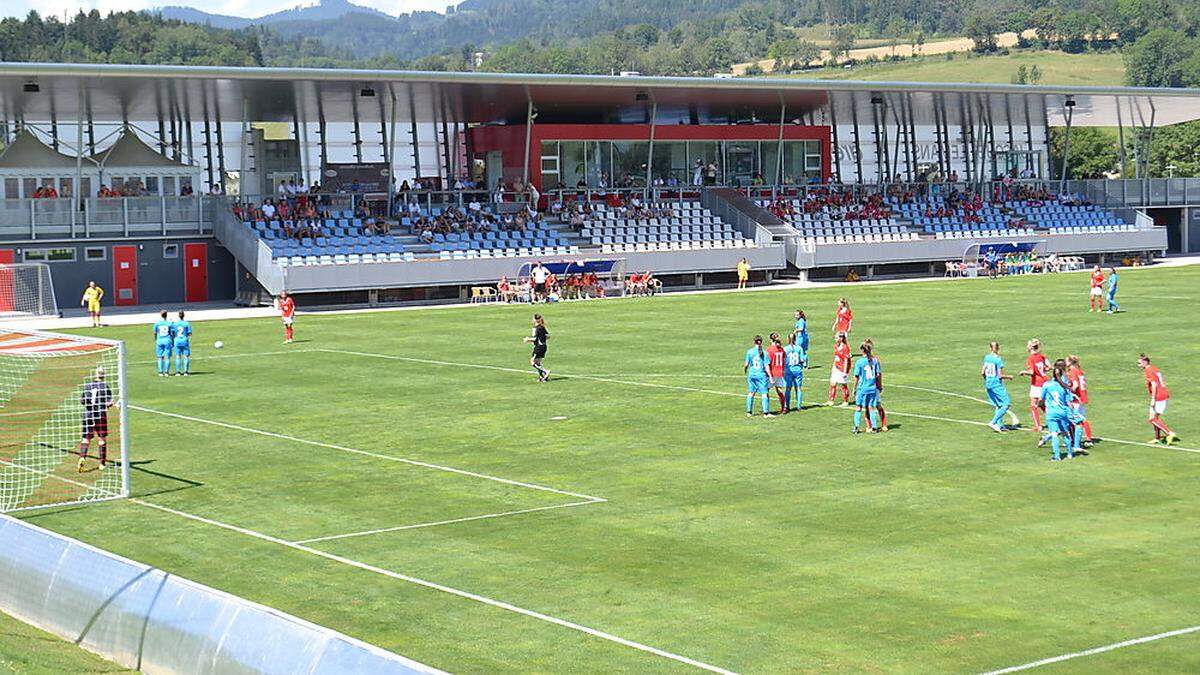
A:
(6, 281)
(125, 275)
(195, 272)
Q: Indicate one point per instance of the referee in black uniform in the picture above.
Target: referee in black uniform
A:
(539, 337)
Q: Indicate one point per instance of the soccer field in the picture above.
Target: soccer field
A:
(402, 477)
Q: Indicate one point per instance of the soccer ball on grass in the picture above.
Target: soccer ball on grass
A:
(218, 344)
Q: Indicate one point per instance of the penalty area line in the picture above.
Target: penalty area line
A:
(467, 595)
(1095, 650)
(366, 453)
(715, 392)
(467, 519)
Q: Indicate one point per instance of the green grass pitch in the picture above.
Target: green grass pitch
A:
(752, 545)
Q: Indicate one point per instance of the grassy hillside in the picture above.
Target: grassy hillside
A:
(1105, 68)
(24, 649)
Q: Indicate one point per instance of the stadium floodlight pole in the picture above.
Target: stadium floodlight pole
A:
(1062, 177)
(528, 136)
(77, 192)
(779, 143)
(650, 148)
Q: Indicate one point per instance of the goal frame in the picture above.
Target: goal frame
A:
(45, 281)
(122, 405)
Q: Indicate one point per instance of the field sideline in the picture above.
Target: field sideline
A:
(400, 477)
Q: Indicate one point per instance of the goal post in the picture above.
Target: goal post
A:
(63, 420)
(26, 291)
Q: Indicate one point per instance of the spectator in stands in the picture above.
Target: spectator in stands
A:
(710, 174)
(698, 173)
(268, 210)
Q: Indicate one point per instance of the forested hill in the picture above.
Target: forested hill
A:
(1158, 38)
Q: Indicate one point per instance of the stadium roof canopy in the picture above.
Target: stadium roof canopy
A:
(100, 93)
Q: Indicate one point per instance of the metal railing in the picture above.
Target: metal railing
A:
(67, 218)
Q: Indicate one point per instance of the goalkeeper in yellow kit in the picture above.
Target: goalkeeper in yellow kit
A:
(91, 299)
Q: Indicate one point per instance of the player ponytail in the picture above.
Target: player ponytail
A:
(865, 348)
(994, 346)
(1060, 373)
(758, 343)
(801, 313)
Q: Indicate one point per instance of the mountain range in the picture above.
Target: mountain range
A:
(325, 10)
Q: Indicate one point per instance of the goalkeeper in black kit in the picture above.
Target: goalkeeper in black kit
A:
(96, 398)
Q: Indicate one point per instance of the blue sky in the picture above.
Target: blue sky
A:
(249, 8)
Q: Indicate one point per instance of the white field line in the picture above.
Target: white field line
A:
(466, 519)
(26, 412)
(500, 604)
(1095, 650)
(242, 355)
(367, 453)
(715, 392)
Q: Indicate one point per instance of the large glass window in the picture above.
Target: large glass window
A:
(629, 162)
(671, 162)
(572, 164)
(12, 188)
(549, 165)
(741, 162)
(705, 162)
(801, 162)
(599, 163)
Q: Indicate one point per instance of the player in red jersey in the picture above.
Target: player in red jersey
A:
(842, 322)
(1037, 368)
(1096, 298)
(1079, 387)
(1159, 395)
(776, 364)
(839, 373)
(287, 310)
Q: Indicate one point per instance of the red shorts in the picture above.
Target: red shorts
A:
(96, 425)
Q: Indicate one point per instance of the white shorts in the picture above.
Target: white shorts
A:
(287, 320)
(1035, 392)
(1158, 408)
(1097, 291)
(838, 376)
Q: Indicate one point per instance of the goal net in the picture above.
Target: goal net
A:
(63, 437)
(26, 290)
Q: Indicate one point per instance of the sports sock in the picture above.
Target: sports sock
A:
(749, 403)
(782, 400)
(1087, 430)
(857, 418)
(766, 403)
(83, 450)
(1055, 443)
(1037, 415)
(187, 364)
(882, 416)
(1160, 426)
(1077, 440)
(873, 418)
(998, 418)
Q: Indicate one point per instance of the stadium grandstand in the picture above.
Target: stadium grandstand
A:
(169, 183)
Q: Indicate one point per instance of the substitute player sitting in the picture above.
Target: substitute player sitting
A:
(96, 398)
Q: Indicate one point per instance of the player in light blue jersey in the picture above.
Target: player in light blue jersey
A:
(793, 375)
(866, 389)
(182, 333)
(1112, 291)
(801, 333)
(993, 381)
(1056, 397)
(163, 342)
(755, 367)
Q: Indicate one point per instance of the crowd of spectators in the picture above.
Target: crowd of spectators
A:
(834, 205)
